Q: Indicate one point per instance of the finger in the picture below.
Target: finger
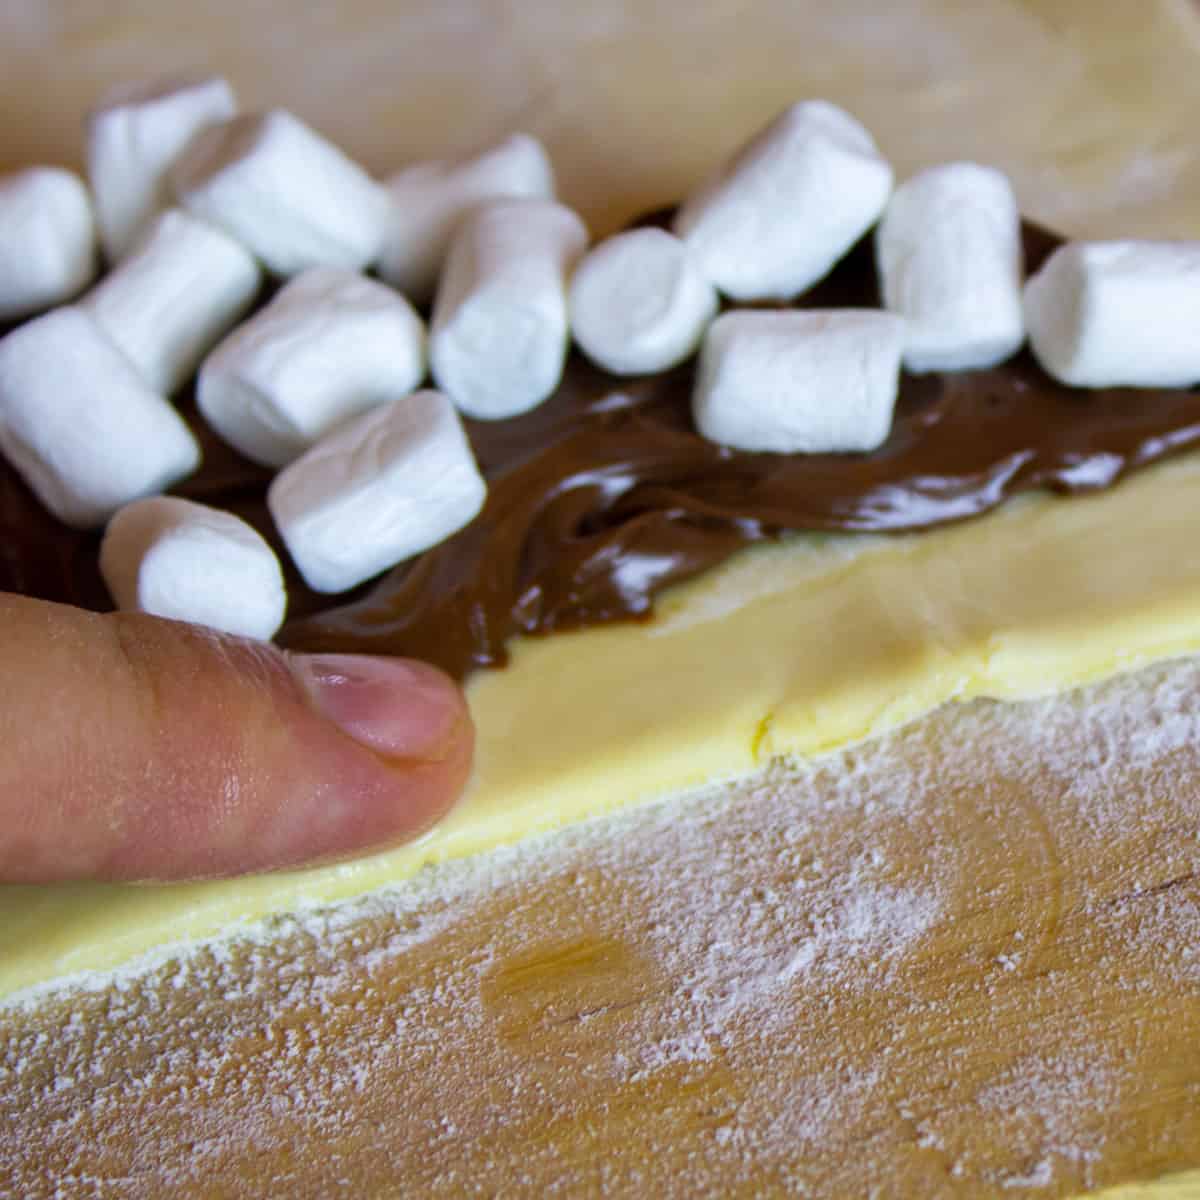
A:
(138, 748)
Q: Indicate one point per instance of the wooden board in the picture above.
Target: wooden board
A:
(960, 961)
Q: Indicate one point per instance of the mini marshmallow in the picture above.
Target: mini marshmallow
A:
(1111, 314)
(167, 304)
(638, 304)
(813, 382)
(789, 206)
(329, 346)
(81, 425)
(47, 240)
(950, 262)
(428, 201)
(499, 336)
(133, 138)
(174, 558)
(383, 487)
(284, 192)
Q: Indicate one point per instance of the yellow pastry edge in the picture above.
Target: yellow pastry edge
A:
(792, 649)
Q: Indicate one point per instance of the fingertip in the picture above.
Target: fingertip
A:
(384, 748)
(399, 708)
(176, 753)
(390, 803)
(390, 751)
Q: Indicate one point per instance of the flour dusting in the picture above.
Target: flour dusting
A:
(807, 978)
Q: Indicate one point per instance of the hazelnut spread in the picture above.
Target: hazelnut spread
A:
(606, 494)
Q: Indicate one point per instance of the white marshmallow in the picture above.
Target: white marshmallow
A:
(47, 240)
(80, 424)
(950, 262)
(795, 199)
(499, 336)
(170, 300)
(812, 382)
(1110, 314)
(174, 558)
(638, 304)
(284, 192)
(329, 346)
(428, 201)
(383, 487)
(134, 137)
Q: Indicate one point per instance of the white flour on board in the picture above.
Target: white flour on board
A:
(733, 932)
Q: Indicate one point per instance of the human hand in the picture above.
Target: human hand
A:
(138, 748)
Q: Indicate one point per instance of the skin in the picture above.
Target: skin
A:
(140, 748)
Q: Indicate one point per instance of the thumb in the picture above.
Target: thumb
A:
(139, 748)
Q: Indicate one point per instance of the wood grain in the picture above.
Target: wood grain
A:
(961, 961)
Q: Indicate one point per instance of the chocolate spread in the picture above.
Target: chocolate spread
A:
(606, 494)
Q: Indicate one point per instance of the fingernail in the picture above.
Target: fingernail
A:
(394, 706)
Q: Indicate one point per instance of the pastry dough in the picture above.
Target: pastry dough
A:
(793, 649)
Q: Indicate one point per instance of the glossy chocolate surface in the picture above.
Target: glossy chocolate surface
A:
(606, 494)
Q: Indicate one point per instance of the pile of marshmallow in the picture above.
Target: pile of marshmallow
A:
(193, 204)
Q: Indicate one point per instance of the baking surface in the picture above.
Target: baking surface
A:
(665, 1003)
(963, 960)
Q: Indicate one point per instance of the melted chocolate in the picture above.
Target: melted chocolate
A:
(606, 494)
